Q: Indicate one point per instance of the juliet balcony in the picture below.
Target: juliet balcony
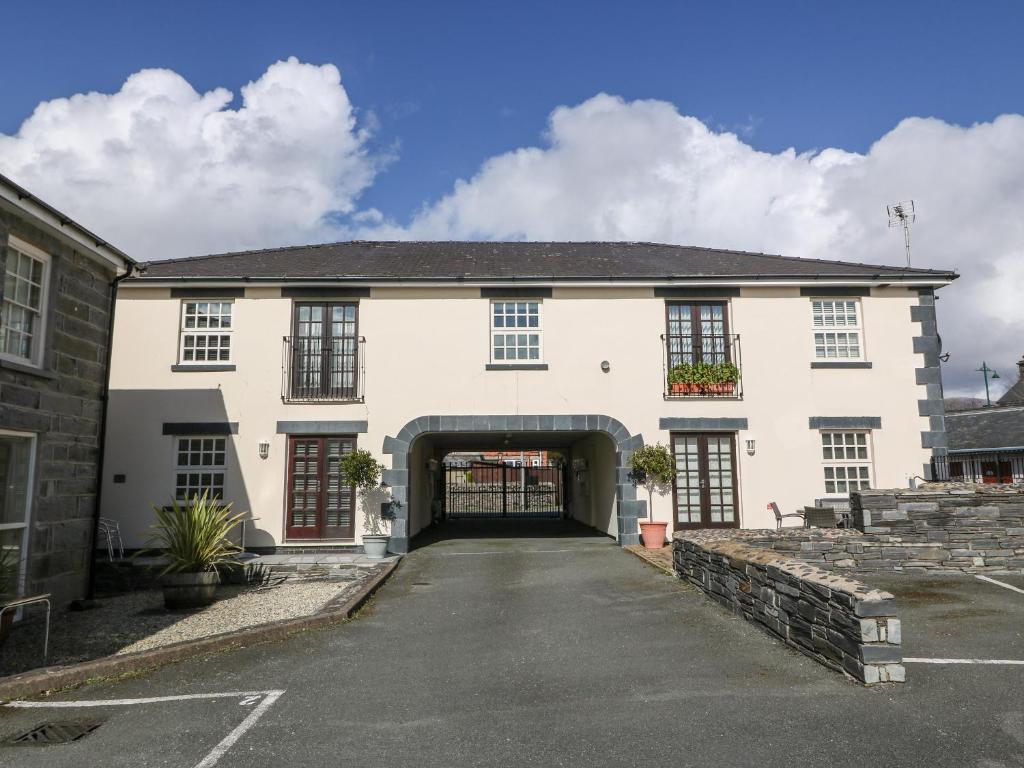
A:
(317, 369)
(701, 367)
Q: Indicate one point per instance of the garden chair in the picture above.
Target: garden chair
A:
(779, 516)
(820, 517)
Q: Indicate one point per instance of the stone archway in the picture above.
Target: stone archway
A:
(628, 508)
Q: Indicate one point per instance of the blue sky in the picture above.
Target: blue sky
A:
(285, 123)
(456, 82)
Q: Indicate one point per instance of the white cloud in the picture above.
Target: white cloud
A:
(164, 171)
(611, 169)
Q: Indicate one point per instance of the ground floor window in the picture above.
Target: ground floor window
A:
(17, 451)
(705, 493)
(321, 502)
(200, 467)
(847, 461)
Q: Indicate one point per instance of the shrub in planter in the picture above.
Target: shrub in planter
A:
(363, 471)
(653, 467)
(697, 378)
(194, 538)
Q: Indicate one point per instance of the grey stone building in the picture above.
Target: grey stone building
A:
(56, 296)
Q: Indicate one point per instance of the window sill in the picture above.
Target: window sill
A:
(840, 364)
(517, 366)
(200, 368)
(31, 370)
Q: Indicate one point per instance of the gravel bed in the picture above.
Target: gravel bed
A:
(138, 621)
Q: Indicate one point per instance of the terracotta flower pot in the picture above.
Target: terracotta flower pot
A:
(653, 534)
(190, 590)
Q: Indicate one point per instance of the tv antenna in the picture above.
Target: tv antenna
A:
(902, 215)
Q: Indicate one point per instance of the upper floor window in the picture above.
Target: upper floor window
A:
(837, 329)
(847, 461)
(697, 333)
(324, 352)
(515, 331)
(22, 318)
(206, 328)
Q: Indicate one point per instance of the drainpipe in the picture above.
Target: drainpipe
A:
(90, 594)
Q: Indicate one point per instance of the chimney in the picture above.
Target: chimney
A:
(1020, 369)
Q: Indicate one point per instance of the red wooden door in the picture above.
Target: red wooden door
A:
(321, 504)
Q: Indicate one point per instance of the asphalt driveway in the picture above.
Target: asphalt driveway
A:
(488, 648)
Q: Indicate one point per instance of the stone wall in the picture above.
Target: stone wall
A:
(62, 404)
(960, 526)
(839, 622)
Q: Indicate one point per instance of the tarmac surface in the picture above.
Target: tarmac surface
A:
(543, 644)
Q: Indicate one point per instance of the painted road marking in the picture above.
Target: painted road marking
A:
(1000, 583)
(218, 752)
(248, 698)
(1012, 662)
(130, 702)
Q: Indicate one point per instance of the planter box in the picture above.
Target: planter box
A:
(723, 388)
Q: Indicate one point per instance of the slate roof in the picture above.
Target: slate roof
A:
(1014, 395)
(485, 260)
(986, 428)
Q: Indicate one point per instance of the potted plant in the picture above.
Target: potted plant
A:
(194, 538)
(723, 378)
(363, 471)
(653, 468)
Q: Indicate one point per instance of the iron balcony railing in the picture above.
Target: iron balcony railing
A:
(980, 467)
(701, 367)
(318, 369)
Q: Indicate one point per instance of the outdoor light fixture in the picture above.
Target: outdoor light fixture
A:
(751, 446)
(605, 366)
(264, 448)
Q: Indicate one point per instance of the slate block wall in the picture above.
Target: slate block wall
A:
(961, 526)
(838, 622)
(62, 404)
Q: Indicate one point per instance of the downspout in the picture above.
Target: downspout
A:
(90, 594)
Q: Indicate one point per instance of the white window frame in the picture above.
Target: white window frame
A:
(35, 358)
(504, 331)
(26, 526)
(184, 332)
(846, 463)
(844, 328)
(200, 469)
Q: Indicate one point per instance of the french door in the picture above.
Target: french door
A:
(325, 350)
(321, 504)
(697, 332)
(705, 493)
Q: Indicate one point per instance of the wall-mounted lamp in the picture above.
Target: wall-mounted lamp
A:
(751, 446)
(264, 448)
(606, 366)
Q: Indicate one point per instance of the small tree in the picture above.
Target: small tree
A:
(363, 471)
(652, 467)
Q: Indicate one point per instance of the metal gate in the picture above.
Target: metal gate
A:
(482, 490)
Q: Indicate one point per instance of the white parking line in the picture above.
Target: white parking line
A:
(1000, 583)
(1012, 662)
(248, 698)
(218, 752)
(130, 702)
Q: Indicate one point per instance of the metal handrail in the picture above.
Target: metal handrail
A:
(730, 352)
(314, 369)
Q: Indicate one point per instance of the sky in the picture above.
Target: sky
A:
(175, 129)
